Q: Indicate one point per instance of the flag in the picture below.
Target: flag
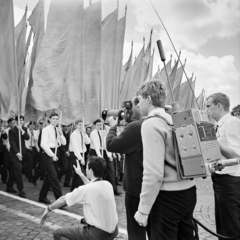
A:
(157, 74)
(118, 60)
(147, 59)
(92, 71)
(58, 70)
(200, 100)
(191, 98)
(184, 93)
(126, 78)
(8, 67)
(150, 68)
(109, 33)
(172, 77)
(178, 81)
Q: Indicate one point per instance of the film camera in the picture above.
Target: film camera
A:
(124, 113)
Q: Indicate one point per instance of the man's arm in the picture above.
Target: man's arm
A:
(227, 152)
(61, 202)
(44, 142)
(126, 141)
(80, 173)
(25, 134)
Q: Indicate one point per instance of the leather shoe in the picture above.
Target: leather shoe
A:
(22, 194)
(34, 183)
(44, 200)
(11, 190)
(117, 193)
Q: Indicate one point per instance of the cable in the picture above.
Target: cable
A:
(213, 233)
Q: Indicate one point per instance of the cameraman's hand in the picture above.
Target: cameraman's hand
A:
(78, 169)
(112, 121)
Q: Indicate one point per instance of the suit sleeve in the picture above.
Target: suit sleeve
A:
(12, 141)
(125, 142)
(25, 135)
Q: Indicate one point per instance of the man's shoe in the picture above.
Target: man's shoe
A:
(11, 190)
(117, 193)
(22, 194)
(34, 182)
(66, 185)
(44, 200)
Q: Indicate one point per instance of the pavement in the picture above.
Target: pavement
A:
(19, 218)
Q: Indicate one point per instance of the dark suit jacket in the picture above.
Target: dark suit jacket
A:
(14, 141)
(64, 148)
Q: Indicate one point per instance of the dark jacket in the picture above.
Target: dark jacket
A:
(14, 141)
(129, 142)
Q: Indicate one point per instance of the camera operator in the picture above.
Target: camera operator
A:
(165, 199)
(129, 142)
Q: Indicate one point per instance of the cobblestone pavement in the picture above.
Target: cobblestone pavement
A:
(19, 218)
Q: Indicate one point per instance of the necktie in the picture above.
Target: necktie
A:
(81, 141)
(56, 135)
(31, 138)
(100, 140)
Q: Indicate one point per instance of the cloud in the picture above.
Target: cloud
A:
(190, 23)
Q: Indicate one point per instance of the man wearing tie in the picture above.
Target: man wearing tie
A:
(98, 148)
(16, 156)
(52, 137)
(77, 148)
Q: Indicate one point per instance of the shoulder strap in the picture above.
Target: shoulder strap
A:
(164, 119)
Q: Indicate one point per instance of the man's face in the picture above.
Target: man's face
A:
(31, 127)
(212, 110)
(54, 120)
(88, 131)
(40, 126)
(12, 124)
(98, 126)
(65, 128)
(79, 126)
(143, 105)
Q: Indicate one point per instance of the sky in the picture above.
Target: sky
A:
(207, 32)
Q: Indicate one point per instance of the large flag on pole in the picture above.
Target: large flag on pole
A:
(147, 59)
(126, 78)
(150, 68)
(8, 67)
(118, 61)
(157, 74)
(109, 33)
(92, 72)
(58, 71)
(200, 100)
(184, 93)
(191, 97)
(163, 76)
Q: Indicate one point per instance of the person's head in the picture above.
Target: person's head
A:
(95, 167)
(65, 128)
(135, 109)
(88, 130)
(79, 125)
(98, 124)
(31, 125)
(11, 122)
(21, 119)
(40, 125)
(217, 105)
(53, 118)
(151, 95)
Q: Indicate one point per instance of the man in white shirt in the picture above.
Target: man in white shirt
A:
(52, 138)
(98, 148)
(77, 149)
(226, 183)
(98, 202)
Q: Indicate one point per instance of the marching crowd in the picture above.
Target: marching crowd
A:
(159, 204)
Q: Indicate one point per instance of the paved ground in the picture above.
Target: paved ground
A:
(19, 218)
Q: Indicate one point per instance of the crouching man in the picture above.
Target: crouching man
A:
(98, 202)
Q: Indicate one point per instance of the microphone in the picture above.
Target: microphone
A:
(160, 49)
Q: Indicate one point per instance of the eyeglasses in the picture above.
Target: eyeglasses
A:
(40, 123)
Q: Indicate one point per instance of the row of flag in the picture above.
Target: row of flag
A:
(75, 63)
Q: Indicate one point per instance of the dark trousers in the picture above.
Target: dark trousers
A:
(51, 179)
(5, 165)
(109, 173)
(40, 170)
(171, 215)
(15, 174)
(227, 204)
(135, 232)
(64, 164)
(82, 232)
(76, 181)
(28, 162)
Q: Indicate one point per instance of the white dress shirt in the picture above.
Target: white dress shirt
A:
(76, 144)
(31, 142)
(49, 139)
(99, 207)
(96, 144)
(229, 135)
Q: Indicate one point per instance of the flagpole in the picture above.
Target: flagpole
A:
(59, 127)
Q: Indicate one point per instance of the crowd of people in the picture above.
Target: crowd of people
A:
(159, 203)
